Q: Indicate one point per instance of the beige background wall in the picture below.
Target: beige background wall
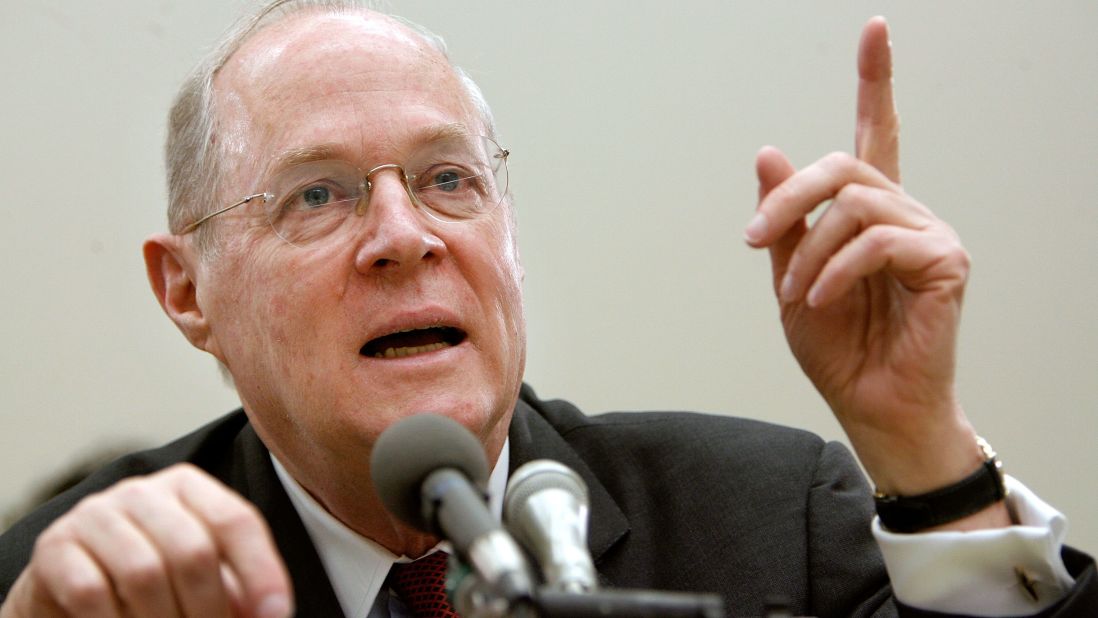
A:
(633, 127)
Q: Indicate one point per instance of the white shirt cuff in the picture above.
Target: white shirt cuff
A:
(1011, 571)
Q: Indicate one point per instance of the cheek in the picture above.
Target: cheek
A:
(500, 277)
(273, 310)
(290, 312)
(276, 317)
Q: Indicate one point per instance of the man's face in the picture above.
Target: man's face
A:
(298, 326)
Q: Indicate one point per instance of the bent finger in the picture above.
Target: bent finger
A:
(854, 209)
(63, 578)
(187, 549)
(28, 597)
(917, 260)
(133, 564)
(244, 540)
(796, 197)
(773, 168)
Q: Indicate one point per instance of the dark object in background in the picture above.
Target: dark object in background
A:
(66, 478)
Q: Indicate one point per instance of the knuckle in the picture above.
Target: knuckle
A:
(135, 490)
(851, 195)
(960, 259)
(953, 251)
(83, 518)
(879, 237)
(966, 260)
(182, 472)
(237, 517)
(54, 537)
(78, 591)
(93, 504)
(79, 594)
(838, 161)
(140, 576)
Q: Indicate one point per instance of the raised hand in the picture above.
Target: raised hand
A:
(175, 543)
(870, 295)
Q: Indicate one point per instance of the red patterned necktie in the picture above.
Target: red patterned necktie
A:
(422, 586)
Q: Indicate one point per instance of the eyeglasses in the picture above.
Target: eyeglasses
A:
(455, 178)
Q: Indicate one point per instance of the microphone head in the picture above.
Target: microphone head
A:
(546, 509)
(410, 450)
(536, 476)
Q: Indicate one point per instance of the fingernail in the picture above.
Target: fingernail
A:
(813, 298)
(756, 229)
(275, 606)
(786, 290)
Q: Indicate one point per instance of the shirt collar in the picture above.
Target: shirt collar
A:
(357, 566)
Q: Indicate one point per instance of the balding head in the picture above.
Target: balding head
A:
(200, 142)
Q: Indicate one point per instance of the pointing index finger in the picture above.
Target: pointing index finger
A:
(877, 133)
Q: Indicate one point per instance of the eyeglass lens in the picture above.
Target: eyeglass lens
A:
(451, 179)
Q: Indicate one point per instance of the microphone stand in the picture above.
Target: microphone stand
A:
(474, 598)
(627, 604)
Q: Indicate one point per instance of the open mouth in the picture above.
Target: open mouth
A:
(413, 341)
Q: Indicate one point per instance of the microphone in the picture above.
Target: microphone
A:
(431, 472)
(546, 509)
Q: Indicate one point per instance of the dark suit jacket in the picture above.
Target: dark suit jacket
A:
(678, 502)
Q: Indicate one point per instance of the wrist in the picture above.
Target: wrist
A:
(916, 453)
(975, 501)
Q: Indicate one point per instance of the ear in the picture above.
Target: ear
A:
(171, 266)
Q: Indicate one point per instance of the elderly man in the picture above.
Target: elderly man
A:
(343, 243)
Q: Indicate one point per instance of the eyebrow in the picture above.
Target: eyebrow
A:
(324, 152)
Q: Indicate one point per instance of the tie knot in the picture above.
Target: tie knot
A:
(422, 586)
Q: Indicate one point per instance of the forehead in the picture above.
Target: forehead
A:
(360, 80)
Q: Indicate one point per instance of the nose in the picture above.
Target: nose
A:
(396, 236)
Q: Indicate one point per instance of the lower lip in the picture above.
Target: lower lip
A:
(436, 356)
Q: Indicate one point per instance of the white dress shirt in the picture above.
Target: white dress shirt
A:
(357, 566)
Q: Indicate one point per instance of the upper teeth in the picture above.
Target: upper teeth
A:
(408, 351)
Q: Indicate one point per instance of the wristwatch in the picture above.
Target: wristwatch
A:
(974, 493)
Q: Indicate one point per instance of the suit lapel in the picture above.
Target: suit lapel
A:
(254, 476)
(532, 437)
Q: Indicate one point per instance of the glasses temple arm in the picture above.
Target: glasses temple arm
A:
(193, 226)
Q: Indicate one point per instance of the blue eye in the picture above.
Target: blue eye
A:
(447, 181)
(314, 197)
